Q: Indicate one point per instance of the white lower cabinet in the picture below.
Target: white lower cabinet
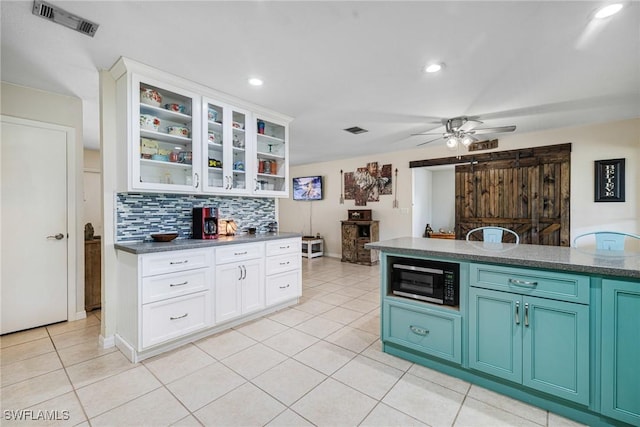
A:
(283, 287)
(239, 289)
(175, 317)
(168, 298)
(284, 277)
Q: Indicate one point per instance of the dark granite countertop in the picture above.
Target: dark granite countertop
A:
(602, 263)
(181, 244)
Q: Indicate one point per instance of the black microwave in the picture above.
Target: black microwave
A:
(425, 280)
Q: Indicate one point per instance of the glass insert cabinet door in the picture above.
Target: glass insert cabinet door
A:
(225, 158)
(271, 155)
(165, 135)
(215, 138)
(239, 131)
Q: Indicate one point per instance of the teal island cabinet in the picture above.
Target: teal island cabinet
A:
(555, 327)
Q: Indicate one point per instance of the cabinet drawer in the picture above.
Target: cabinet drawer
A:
(172, 318)
(282, 263)
(422, 329)
(283, 287)
(157, 288)
(284, 246)
(233, 253)
(545, 284)
(169, 262)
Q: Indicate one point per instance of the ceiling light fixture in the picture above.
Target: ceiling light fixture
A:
(254, 81)
(467, 140)
(609, 10)
(433, 68)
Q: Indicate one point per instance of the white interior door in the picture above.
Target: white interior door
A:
(34, 226)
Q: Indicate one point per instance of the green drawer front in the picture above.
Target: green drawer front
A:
(540, 283)
(422, 329)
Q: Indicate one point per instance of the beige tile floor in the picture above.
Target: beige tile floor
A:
(318, 363)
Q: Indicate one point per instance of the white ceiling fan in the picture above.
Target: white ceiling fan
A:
(462, 130)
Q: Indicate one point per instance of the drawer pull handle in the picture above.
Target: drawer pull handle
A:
(179, 284)
(522, 282)
(284, 263)
(240, 253)
(179, 317)
(284, 287)
(178, 262)
(517, 312)
(284, 247)
(526, 314)
(418, 330)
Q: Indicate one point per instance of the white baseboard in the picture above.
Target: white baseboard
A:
(106, 342)
(126, 349)
(80, 315)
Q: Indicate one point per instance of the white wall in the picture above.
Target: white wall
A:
(422, 197)
(443, 196)
(594, 142)
(33, 104)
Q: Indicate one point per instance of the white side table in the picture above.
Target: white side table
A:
(312, 248)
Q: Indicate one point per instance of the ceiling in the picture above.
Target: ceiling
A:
(332, 65)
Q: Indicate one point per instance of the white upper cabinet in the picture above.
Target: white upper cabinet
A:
(226, 167)
(164, 131)
(271, 156)
(182, 137)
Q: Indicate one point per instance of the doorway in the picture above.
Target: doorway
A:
(37, 226)
(525, 190)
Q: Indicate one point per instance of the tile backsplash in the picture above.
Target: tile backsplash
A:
(139, 215)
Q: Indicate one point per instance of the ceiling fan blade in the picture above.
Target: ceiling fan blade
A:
(428, 133)
(469, 125)
(493, 130)
(427, 142)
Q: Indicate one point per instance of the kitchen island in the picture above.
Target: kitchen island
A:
(172, 293)
(555, 327)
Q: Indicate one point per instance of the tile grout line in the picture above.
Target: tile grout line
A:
(73, 387)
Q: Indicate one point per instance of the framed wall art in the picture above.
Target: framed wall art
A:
(609, 180)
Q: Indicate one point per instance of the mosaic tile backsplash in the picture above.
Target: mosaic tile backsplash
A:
(140, 215)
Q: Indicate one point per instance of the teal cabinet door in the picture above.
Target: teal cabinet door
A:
(555, 348)
(621, 350)
(495, 333)
(539, 343)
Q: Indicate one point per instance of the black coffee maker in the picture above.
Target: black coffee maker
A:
(205, 223)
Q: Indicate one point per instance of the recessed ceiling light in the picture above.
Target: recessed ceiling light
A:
(607, 11)
(254, 81)
(433, 68)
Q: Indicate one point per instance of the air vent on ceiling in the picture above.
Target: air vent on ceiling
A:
(356, 130)
(62, 17)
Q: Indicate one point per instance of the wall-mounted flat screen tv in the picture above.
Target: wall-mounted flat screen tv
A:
(307, 188)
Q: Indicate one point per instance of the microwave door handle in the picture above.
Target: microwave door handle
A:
(416, 268)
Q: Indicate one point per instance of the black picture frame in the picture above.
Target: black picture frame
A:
(609, 180)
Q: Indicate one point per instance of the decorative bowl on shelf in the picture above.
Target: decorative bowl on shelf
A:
(178, 131)
(164, 237)
(177, 108)
(150, 97)
(149, 122)
(237, 125)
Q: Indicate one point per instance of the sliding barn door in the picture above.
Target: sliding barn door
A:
(526, 191)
